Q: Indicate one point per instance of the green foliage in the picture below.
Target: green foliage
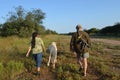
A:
(92, 31)
(22, 32)
(77, 77)
(29, 64)
(1, 67)
(97, 46)
(23, 24)
(48, 31)
(60, 69)
(10, 69)
(62, 74)
(14, 64)
(72, 67)
(111, 30)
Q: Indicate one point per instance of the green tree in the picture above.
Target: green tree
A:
(23, 23)
(111, 30)
(0, 28)
(92, 31)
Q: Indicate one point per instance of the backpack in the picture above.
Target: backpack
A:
(81, 44)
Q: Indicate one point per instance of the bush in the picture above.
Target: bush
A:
(9, 70)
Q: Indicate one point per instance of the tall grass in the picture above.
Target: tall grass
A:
(12, 52)
(13, 61)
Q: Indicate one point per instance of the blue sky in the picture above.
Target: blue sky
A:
(63, 15)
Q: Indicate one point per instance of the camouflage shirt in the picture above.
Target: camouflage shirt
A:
(75, 46)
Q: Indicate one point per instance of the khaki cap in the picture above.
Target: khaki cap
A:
(78, 26)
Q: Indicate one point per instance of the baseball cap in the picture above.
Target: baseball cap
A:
(78, 26)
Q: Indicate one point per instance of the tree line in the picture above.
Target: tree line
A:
(106, 31)
(22, 23)
(111, 30)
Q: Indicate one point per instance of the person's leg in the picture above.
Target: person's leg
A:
(79, 59)
(35, 58)
(39, 59)
(85, 65)
(81, 64)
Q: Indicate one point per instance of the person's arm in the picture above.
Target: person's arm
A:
(28, 52)
(88, 40)
(43, 47)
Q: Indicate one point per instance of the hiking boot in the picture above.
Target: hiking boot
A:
(84, 75)
(38, 73)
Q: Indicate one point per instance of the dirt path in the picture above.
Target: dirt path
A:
(45, 74)
(108, 41)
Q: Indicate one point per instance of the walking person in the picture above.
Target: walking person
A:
(80, 43)
(37, 47)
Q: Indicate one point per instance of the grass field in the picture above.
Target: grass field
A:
(103, 63)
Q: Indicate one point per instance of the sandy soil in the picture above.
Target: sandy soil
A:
(112, 42)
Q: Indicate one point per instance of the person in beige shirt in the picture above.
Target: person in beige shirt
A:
(37, 48)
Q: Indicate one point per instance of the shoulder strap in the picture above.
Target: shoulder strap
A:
(80, 37)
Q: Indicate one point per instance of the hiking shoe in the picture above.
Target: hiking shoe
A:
(38, 73)
(84, 75)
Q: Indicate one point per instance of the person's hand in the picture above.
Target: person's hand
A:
(44, 50)
(28, 52)
(27, 55)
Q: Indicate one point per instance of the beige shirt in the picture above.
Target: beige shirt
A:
(38, 46)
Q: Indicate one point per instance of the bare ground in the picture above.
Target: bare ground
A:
(108, 41)
(112, 54)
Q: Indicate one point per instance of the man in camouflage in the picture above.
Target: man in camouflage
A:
(81, 52)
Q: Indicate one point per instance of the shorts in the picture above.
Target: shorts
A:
(83, 55)
(38, 59)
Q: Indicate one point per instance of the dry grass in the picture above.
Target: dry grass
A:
(103, 65)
